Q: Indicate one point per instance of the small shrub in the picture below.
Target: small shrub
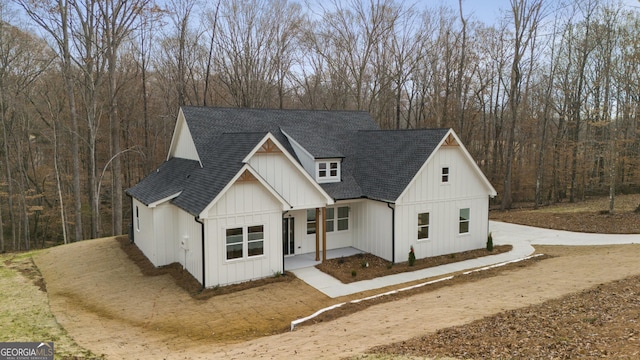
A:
(354, 273)
(490, 242)
(277, 274)
(364, 264)
(412, 257)
(341, 260)
(452, 256)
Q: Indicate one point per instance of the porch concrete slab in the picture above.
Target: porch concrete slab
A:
(519, 236)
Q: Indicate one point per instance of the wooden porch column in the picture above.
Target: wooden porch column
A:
(324, 234)
(317, 234)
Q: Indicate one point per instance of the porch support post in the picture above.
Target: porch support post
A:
(324, 234)
(318, 234)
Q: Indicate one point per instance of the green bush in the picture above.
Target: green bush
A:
(354, 273)
(412, 257)
(490, 242)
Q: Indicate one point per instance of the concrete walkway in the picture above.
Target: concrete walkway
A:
(519, 236)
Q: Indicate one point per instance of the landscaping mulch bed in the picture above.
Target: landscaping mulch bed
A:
(367, 266)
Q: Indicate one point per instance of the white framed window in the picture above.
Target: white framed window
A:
(137, 218)
(255, 240)
(337, 219)
(311, 221)
(423, 226)
(465, 218)
(238, 239)
(328, 171)
(235, 243)
(445, 175)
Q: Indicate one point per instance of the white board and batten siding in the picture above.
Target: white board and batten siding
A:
(287, 180)
(372, 230)
(244, 204)
(144, 231)
(428, 194)
(159, 232)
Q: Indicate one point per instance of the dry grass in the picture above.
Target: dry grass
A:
(24, 308)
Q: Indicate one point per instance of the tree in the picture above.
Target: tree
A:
(526, 17)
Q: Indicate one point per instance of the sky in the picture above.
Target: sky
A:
(488, 11)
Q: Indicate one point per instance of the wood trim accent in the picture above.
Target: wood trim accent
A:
(324, 234)
(246, 177)
(317, 235)
(269, 147)
(450, 141)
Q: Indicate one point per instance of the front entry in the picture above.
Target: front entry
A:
(288, 235)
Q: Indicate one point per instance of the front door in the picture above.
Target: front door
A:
(288, 234)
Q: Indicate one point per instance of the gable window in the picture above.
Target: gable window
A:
(445, 175)
(463, 227)
(423, 226)
(311, 221)
(328, 171)
(247, 237)
(337, 219)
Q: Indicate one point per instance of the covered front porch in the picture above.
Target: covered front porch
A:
(300, 261)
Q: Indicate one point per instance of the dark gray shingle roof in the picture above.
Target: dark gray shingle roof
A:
(376, 164)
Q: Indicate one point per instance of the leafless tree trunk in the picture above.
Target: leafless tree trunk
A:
(526, 17)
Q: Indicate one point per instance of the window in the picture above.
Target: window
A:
(311, 221)
(249, 237)
(445, 174)
(330, 219)
(255, 240)
(337, 219)
(137, 218)
(234, 243)
(464, 221)
(328, 171)
(423, 226)
(343, 218)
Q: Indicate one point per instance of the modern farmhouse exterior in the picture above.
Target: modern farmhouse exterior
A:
(241, 189)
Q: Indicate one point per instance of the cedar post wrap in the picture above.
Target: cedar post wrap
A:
(317, 235)
(324, 234)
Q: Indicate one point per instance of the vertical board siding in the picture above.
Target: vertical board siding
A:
(145, 237)
(287, 180)
(166, 233)
(188, 228)
(427, 193)
(372, 228)
(244, 204)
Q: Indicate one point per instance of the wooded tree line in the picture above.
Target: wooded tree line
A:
(545, 99)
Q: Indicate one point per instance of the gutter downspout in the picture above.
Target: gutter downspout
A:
(393, 233)
(197, 219)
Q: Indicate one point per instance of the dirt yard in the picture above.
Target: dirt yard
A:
(107, 305)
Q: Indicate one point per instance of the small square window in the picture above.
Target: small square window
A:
(445, 174)
(333, 169)
(322, 170)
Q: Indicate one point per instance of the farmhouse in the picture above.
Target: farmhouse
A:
(243, 189)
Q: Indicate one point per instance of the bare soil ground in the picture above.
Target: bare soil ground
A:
(109, 306)
(590, 216)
